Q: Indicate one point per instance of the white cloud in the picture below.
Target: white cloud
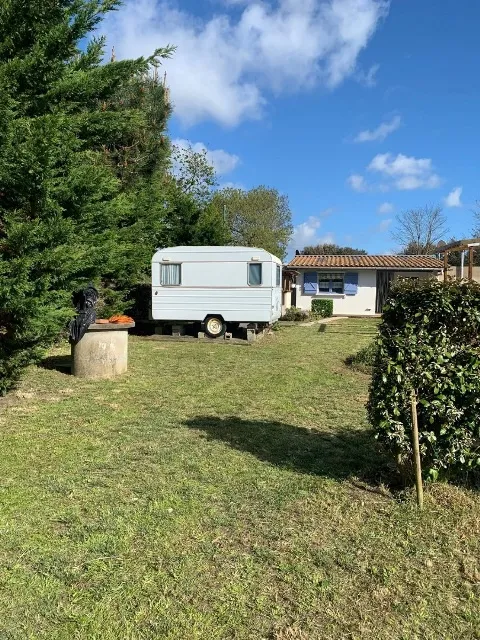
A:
(454, 198)
(405, 172)
(381, 132)
(385, 208)
(307, 233)
(357, 183)
(384, 225)
(231, 185)
(224, 65)
(368, 78)
(220, 160)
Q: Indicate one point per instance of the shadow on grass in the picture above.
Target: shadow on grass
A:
(343, 454)
(58, 363)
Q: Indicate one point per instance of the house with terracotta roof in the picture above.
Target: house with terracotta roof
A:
(357, 284)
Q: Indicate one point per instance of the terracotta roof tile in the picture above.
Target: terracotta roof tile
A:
(368, 262)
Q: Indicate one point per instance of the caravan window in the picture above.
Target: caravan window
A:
(254, 274)
(279, 275)
(170, 275)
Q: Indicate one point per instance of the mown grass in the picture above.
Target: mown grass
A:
(222, 492)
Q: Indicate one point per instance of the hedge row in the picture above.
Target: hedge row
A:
(430, 342)
(322, 308)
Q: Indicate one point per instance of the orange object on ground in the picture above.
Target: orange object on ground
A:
(120, 319)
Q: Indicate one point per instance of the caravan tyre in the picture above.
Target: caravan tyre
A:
(215, 327)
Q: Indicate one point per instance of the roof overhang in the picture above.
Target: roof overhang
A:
(369, 268)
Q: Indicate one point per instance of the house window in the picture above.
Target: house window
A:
(279, 275)
(170, 275)
(330, 283)
(254, 274)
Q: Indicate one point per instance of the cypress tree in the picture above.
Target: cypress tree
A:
(67, 214)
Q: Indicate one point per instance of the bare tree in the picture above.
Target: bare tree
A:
(418, 231)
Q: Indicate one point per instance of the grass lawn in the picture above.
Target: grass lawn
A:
(221, 492)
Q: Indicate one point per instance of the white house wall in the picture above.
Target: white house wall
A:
(362, 304)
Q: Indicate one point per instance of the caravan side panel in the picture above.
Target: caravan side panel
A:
(214, 288)
(234, 305)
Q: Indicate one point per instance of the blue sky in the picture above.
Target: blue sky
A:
(356, 109)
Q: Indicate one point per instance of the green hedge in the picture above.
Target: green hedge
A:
(430, 342)
(322, 308)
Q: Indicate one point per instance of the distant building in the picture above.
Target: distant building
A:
(358, 285)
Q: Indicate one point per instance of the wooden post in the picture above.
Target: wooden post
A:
(416, 452)
(445, 266)
(470, 263)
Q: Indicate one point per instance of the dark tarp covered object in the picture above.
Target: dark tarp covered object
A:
(84, 302)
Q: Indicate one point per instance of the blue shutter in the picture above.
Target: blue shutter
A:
(310, 283)
(351, 284)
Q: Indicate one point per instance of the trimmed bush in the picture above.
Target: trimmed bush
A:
(322, 308)
(294, 314)
(430, 342)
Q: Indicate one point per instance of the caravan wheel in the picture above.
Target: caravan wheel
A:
(215, 327)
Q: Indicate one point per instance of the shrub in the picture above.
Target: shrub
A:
(430, 342)
(294, 314)
(322, 308)
(364, 359)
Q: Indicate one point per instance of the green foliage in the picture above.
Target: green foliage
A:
(331, 250)
(364, 359)
(194, 175)
(190, 221)
(259, 218)
(322, 308)
(430, 342)
(68, 211)
(294, 314)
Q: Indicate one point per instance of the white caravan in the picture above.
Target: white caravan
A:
(216, 286)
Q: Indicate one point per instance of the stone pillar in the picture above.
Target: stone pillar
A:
(102, 352)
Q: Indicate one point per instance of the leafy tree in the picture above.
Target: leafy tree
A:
(190, 222)
(65, 215)
(185, 194)
(141, 162)
(332, 250)
(260, 217)
(193, 173)
(418, 231)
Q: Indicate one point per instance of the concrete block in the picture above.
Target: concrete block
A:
(200, 335)
(178, 330)
(251, 335)
(228, 336)
(101, 353)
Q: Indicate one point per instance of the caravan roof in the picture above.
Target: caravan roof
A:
(225, 251)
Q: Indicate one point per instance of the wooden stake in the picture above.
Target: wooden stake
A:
(416, 452)
(445, 266)
(470, 263)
